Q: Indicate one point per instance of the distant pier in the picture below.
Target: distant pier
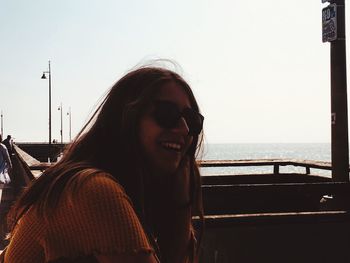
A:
(42, 151)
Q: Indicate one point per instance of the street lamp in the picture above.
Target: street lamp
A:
(2, 125)
(69, 113)
(61, 109)
(44, 77)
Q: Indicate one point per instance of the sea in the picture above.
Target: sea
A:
(249, 151)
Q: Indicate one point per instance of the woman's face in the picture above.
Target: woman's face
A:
(164, 148)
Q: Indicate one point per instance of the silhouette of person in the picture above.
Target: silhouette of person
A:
(8, 142)
(5, 164)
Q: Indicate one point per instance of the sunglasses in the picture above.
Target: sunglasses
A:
(167, 115)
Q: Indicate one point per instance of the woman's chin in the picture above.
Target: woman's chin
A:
(165, 170)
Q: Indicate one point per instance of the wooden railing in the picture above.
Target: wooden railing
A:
(275, 163)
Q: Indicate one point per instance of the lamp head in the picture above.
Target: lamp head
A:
(43, 76)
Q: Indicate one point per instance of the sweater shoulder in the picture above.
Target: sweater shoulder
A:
(97, 217)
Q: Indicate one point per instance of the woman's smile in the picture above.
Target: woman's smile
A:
(172, 146)
(172, 151)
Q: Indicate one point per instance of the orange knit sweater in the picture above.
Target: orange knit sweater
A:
(98, 218)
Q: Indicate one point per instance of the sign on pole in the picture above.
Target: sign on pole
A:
(329, 23)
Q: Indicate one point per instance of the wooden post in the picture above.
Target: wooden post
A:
(307, 169)
(339, 109)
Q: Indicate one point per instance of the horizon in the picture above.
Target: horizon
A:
(212, 143)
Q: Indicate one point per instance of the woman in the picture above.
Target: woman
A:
(127, 187)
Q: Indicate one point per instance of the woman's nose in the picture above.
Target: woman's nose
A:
(182, 126)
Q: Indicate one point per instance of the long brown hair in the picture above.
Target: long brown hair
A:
(109, 142)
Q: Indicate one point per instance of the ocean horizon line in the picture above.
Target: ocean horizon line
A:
(225, 143)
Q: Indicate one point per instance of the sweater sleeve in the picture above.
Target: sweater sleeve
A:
(98, 218)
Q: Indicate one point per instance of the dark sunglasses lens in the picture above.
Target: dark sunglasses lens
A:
(194, 121)
(166, 114)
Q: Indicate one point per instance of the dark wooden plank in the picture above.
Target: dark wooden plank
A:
(279, 197)
(217, 221)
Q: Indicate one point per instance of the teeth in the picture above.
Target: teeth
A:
(173, 146)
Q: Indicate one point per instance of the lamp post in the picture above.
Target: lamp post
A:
(61, 109)
(44, 77)
(2, 125)
(69, 113)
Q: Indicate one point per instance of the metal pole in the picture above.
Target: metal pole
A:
(50, 103)
(339, 108)
(2, 125)
(70, 124)
(61, 124)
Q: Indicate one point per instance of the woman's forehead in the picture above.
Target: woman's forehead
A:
(174, 92)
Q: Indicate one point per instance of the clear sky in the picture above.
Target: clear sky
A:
(259, 69)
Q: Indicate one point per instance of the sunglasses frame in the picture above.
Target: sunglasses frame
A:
(170, 119)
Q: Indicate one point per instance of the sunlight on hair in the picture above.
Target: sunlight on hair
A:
(163, 63)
